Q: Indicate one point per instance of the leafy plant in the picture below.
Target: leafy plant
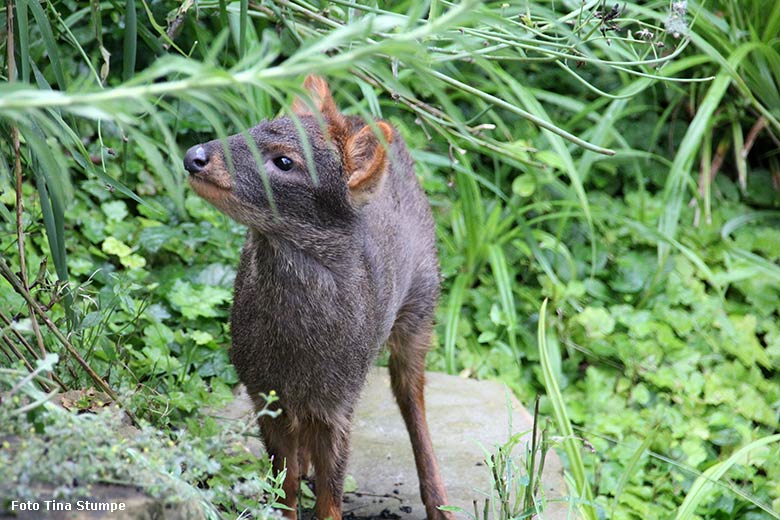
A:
(196, 467)
(665, 363)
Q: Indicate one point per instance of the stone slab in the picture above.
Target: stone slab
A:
(464, 416)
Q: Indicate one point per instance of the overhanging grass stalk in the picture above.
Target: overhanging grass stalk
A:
(570, 442)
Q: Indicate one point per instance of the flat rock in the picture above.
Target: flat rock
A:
(465, 418)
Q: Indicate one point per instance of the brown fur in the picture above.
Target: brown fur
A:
(337, 263)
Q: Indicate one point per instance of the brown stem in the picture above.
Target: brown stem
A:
(756, 129)
(21, 339)
(17, 147)
(10, 344)
(7, 355)
(9, 323)
(263, 9)
(415, 104)
(717, 162)
(18, 176)
(6, 272)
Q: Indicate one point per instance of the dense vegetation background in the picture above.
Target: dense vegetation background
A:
(637, 293)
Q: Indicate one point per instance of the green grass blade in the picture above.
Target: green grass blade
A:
(558, 145)
(454, 304)
(534, 118)
(570, 444)
(78, 151)
(769, 268)
(539, 256)
(51, 200)
(504, 284)
(670, 242)
(223, 14)
(49, 42)
(242, 21)
(473, 218)
(772, 27)
(631, 466)
(707, 480)
(130, 39)
(22, 22)
(741, 220)
(166, 173)
(675, 188)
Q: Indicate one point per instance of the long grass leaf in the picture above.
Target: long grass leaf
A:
(570, 443)
(769, 268)
(473, 218)
(166, 173)
(687, 252)
(78, 151)
(533, 106)
(674, 189)
(631, 466)
(534, 118)
(22, 22)
(706, 481)
(130, 40)
(454, 305)
(504, 283)
(746, 218)
(48, 181)
(772, 27)
(49, 42)
(242, 21)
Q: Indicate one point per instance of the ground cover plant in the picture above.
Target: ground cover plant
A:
(637, 293)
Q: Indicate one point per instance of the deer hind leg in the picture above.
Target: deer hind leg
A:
(408, 346)
(327, 443)
(280, 437)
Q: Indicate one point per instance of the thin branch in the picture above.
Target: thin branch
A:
(6, 272)
(522, 113)
(21, 339)
(756, 129)
(10, 345)
(19, 355)
(18, 177)
(174, 28)
(9, 323)
(7, 355)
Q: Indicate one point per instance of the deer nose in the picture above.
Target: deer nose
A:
(196, 159)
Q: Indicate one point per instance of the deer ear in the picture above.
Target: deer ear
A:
(366, 161)
(319, 98)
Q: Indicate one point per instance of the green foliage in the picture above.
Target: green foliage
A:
(662, 351)
(204, 467)
(515, 476)
(661, 344)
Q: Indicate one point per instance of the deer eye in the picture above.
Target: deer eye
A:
(283, 163)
